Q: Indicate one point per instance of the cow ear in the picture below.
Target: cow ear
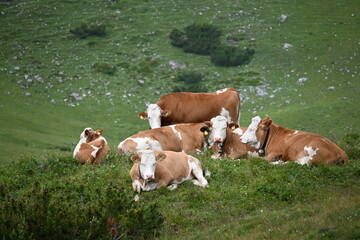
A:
(267, 122)
(233, 126)
(208, 123)
(160, 156)
(205, 130)
(99, 132)
(165, 113)
(136, 158)
(142, 115)
(87, 133)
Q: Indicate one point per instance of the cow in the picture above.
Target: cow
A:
(184, 137)
(187, 107)
(278, 143)
(225, 139)
(92, 147)
(156, 169)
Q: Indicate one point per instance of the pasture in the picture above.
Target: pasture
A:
(304, 75)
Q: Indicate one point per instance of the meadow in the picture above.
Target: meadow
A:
(304, 75)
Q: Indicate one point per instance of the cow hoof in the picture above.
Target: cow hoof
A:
(173, 187)
(136, 198)
(215, 156)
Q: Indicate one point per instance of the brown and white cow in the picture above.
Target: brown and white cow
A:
(184, 137)
(283, 144)
(156, 169)
(225, 139)
(92, 147)
(187, 107)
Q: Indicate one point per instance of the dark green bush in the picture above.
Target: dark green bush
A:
(104, 67)
(84, 31)
(196, 38)
(224, 55)
(201, 38)
(178, 38)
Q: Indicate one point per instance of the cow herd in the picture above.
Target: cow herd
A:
(186, 123)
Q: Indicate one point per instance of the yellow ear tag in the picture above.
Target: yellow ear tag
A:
(166, 114)
(98, 133)
(206, 133)
(141, 117)
(233, 127)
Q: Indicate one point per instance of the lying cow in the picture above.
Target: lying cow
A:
(225, 139)
(156, 169)
(278, 143)
(187, 107)
(92, 147)
(184, 137)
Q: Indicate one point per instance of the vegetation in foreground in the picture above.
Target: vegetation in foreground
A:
(57, 198)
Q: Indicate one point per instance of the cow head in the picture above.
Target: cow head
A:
(89, 135)
(154, 114)
(147, 160)
(256, 132)
(215, 131)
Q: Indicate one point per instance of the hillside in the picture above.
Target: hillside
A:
(304, 74)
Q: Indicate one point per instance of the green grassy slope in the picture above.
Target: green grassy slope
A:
(312, 85)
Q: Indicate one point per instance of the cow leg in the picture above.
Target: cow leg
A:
(271, 157)
(136, 186)
(173, 186)
(195, 167)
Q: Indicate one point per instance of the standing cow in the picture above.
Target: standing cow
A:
(92, 147)
(184, 137)
(187, 107)
(225, 139)
(278, 143)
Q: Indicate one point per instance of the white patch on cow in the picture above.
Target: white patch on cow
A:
(226, 114)
(296, 132)
(195, 168)
(154, 115)
(253, 154)
(221, 91)
(277, 162)
(146, 143)
(96, 149)
(175, 131)
(82, 140)
(218, 132)
(147, 164)
(310, 154)
(238, 131)
(149, 186)
(249, 137)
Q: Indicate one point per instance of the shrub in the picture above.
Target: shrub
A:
(83, 31)
(201, 38)
(224, 55)
(104, 67)
(196, 38)
(178, 38)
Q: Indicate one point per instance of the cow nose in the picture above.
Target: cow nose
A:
(149, 176)
(218, 139)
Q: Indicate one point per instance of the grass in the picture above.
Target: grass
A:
(311, 85)
(247, 199)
